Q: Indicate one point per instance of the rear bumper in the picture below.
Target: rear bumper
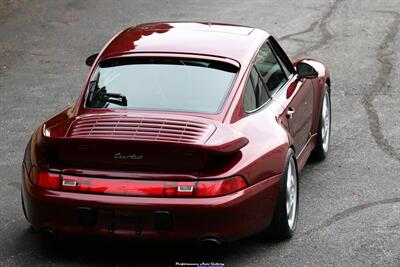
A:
(226, 218)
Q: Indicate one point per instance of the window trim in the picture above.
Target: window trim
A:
(263, 85)
(270, 41)
(283, 67)
(281, 54)
(283, 59)
(285, 85)
(267, 42)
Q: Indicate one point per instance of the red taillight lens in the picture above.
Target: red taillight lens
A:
(216, 188)
(48, 180)
(153, 188)
(127, 187)
(111, 186)
(181, 189)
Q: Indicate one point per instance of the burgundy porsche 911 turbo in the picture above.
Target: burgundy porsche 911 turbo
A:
(183, 131)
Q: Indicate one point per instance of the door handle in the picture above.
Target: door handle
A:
(289, 112)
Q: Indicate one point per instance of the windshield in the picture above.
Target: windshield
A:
(188, 85)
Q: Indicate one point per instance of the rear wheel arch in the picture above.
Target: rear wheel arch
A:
(280, 227)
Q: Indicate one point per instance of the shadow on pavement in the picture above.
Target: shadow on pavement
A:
(94, 251)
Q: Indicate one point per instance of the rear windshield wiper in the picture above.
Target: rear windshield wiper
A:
(113, 98)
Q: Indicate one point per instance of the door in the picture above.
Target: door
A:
(295, 95)
(298, 110)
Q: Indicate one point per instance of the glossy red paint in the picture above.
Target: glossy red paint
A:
(193, 218)
(234, 42)
(231, 143)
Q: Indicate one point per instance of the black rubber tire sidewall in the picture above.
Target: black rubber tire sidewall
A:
(319, 153)
(279, 227)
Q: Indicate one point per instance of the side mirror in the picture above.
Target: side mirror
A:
(90, 60)
(305, 70)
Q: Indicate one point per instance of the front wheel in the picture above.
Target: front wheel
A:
(284, 221)
(324, 128)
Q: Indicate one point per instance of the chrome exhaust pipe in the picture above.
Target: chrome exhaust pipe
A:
(48, 234)
(210, 241)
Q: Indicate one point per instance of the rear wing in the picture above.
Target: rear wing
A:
(186, 132)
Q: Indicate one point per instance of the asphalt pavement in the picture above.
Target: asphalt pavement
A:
(349, 204)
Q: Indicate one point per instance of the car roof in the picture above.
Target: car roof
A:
(202, 38)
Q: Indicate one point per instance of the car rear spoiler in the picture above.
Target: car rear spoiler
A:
(186, 132)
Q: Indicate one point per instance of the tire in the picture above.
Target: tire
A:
(324, 128)
(23, 205)
(284, 223)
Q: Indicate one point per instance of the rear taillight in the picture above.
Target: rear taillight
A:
(48, 180)
(180, 189)
(202, 188)
(112, 186)
(44, 179)
(220, 187)
(212, 188)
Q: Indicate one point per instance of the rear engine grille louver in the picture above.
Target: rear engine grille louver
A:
(142, 129)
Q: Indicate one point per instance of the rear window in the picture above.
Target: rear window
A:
(172, 84)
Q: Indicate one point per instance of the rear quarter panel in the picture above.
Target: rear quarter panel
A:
(265, 154)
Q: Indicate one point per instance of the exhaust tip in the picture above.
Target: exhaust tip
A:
(210, 242)
(48, 234)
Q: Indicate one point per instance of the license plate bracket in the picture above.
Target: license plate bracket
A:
(116, 218)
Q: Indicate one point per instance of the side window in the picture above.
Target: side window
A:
(270, 69)
(255, 94)
(283, 58)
